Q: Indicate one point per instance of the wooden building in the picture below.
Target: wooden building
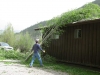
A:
(79, 44)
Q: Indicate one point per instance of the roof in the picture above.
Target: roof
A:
(75, 23)
(84, 22)
(41, 28)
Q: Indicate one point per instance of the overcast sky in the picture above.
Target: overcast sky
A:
(25, 13)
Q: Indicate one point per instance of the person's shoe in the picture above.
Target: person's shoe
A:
(30, 66)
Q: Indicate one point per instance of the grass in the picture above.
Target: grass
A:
(49, 63)
(73, 70)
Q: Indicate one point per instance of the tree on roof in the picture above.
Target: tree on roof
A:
(87, 12)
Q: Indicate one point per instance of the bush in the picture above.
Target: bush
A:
(11, 54)
(48, 59)
(24, 42)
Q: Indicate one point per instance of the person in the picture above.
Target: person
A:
(36, 47)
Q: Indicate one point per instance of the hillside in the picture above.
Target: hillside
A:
(31, 30)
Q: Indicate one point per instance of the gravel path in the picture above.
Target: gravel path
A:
(19, 69)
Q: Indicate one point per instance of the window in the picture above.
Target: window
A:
(55, 36)
(77, 33)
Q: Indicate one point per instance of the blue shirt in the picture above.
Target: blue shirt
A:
(36, 47)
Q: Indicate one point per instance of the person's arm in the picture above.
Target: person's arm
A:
(40, 48)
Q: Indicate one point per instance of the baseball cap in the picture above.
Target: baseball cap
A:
(37, 39)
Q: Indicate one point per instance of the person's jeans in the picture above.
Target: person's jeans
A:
(36, 55)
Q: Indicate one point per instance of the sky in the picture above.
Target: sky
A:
(25, 13)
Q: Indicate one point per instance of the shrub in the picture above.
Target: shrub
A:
(48, 59)
(11, 54)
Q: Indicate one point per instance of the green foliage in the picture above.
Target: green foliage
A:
(8, 35)
(21, 41)
(87, 12)
(11, 54)
(24, 42)
(48, 59)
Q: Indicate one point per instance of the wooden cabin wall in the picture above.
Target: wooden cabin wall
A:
(84, 50)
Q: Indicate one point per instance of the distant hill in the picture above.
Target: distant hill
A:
(96, 2)
(31, 30)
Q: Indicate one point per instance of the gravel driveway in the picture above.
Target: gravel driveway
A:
(13, 68)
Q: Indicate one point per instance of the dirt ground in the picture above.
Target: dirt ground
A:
(12, 68)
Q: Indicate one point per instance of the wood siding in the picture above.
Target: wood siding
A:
(84, 50)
